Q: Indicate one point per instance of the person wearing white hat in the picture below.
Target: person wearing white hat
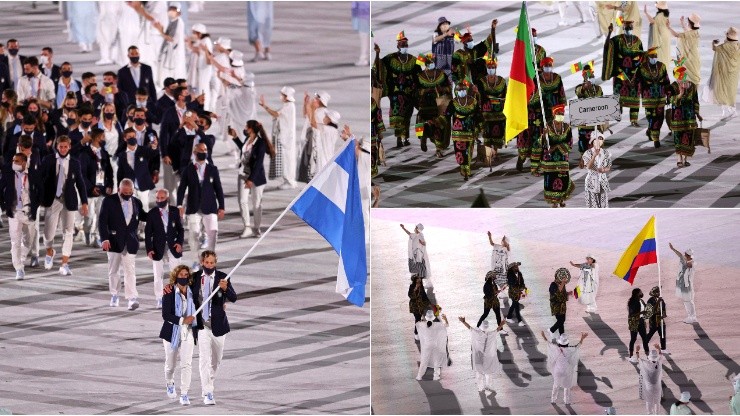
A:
(484, 344)
(171, 60)
(685, 283)
(314, 109)
(418, 259)
(200, 70)
(598, 163)
(562, 361)
(222, 65)
(660, 37)
(326, 138)
(433, 342)
(722, 87)
(588, 282)
(688, 46)
(651, 378)
(284, 139)
(735, 400)
(681, 407)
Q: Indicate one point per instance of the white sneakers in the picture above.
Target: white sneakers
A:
(64, 270)
(208, 399)
(246, 233)
(114, 301)
(49, 261)
(632, 359)
(504, 332)
(133, 303)
(171, 391)
(522, 324)
(184, 400)
(20, 274)
(665, 352)
(511, 321)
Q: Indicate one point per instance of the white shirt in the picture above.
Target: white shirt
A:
(21, 183)
(165, 214)
(135, 73)
(127, 207)
(42, 85)
(131, 156)
(201, 169)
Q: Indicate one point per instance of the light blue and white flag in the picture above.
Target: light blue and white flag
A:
(331, 205)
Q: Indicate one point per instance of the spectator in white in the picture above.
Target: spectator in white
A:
(681, 407)
(67, 84)
(312, 108)
(119, 219)
(205, 201)
(484, 344)
(651, 378)
(164, 237)
(200, 70)
(83, 16)
(62, 187)
(685, 283)
(152, 14)
(222, 64)
(35, 84)
(433, 343)
(46, 61)
(562, 361)
(283, 135)
(328, 141)
(252, 181)
(107, 32)
(15, 63)
(241, 95)
(172, 53)
(259, 26)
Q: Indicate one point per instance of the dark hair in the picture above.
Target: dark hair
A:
(48, 49)
(11, 41)
(142, 91)
(87, 75)
(691, 25)
(31, 60)
(89, 87)
(110, 74)
(208, 253)
(132, 47)
(25, 141)
(664, 11)
(429, 324)
(85, 111)
(257, 127)
(65, 63)
(96, 132)
(22, 156)
(140, 110)
(129, 130)
(181, 80)
(206, 119)
(178, 92)
(29, 119)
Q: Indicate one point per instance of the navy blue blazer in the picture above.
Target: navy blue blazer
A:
(74, 183)
(4, 77)
(182, 145)
(89, 167)
(127, 85)
(112, 225)
(157, 239)
(148, 135)
(170, 123)
(219, 321)
(170, 319)
(55, 74)
(163, 104)
(207, 197)
(76, 136)
(146, 165)
(256, 160)
(11, 144)
(8, 193)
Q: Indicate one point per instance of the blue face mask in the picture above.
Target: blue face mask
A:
(462, 93)
(491, 71)
(431, 66)
(403, 50)
(628, 32)
(547, 69)
(469, 45)
(653, 61)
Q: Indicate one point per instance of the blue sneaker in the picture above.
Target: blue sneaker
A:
(171, 391)
(184, 400)
(208, 400)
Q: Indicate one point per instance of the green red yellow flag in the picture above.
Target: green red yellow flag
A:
(521, 80)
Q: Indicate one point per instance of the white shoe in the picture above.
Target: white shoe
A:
(184, 400)
(563, 23)
(49, 261)
(171, 391)
(435, 378)
(418, 378)
(104, 62)
(665, 352)
(522, 324)
(362, 62)
(632, 359)
(133, 303)
(159, 303)
(688, 321)
(20, 274)
(511, 321)
(114, 301)
(246, 233)
(64, 270)
(286, 186)
(504, 332)
(209, 400)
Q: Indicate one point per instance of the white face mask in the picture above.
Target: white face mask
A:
(628, 32)
(431, 66)
(462, 93)
(491, 71)
(559, 118)
(403, 50)
(43, 60)
(547, 69)
(17, 167)
(469, 45)
(653, 61)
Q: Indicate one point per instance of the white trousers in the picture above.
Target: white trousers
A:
(652, 408)
(210, 352)
(556, 392)
(22, 233)
(170, 181)
(690, 309)
(246, 197)
(90, 222)
(210, 223)
(128, 263)
(484, 381)
(423, 370)
(158, 268)
(54, 214)
(185, 353)
(144, 198)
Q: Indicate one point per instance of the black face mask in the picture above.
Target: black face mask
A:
(201, 156)
(134, 59)
(71, 121)
(69, 107)
(130, 118)
(246, 133)
(208, 270)
(139, 121)
(132, 141)
(29, 75)
(13, 51)
(6, 104)
(66, 74)
(108, 116)
(182, 281)
(126, 197)
(102, 144)
(162, 204)
(107, 84)
(85, 124)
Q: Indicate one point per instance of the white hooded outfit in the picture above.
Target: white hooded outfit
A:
(433, 342)
(418, 257)
(484, 347)
(589, 284)
(562, 362)
(651, 376)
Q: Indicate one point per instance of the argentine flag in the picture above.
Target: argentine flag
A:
(331, 205)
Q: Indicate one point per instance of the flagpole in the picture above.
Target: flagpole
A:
(537, 77)
(282, 214)
(657, 256)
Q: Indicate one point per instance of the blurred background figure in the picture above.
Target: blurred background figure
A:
(259, 27)
(361, 25)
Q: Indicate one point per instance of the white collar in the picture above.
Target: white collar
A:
(59, 157)
(132, 150)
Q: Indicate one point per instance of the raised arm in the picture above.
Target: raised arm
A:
(490, 238)
(649, 18)
(462, 319)
(405, 230)
(678, 253)
(670, 29)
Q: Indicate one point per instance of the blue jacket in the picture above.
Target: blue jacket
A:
(146, 165)
(219, 322)
(112, 225)
(159, 240)
(127, 85)
(8, 194)
(170, 319)
(74, 183)
(89, 168)
(207, 197)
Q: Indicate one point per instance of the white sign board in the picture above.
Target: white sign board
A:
(595, 110)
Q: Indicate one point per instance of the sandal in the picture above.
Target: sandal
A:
(679, 164)
(686, 163)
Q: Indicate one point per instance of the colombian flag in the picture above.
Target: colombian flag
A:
(642, 251)
(521, 79)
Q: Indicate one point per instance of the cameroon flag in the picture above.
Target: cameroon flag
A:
(521, 79)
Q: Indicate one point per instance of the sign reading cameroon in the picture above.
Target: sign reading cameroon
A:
(595, 110)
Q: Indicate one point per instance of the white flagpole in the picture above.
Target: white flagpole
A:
(657, 257)
(228, 276)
